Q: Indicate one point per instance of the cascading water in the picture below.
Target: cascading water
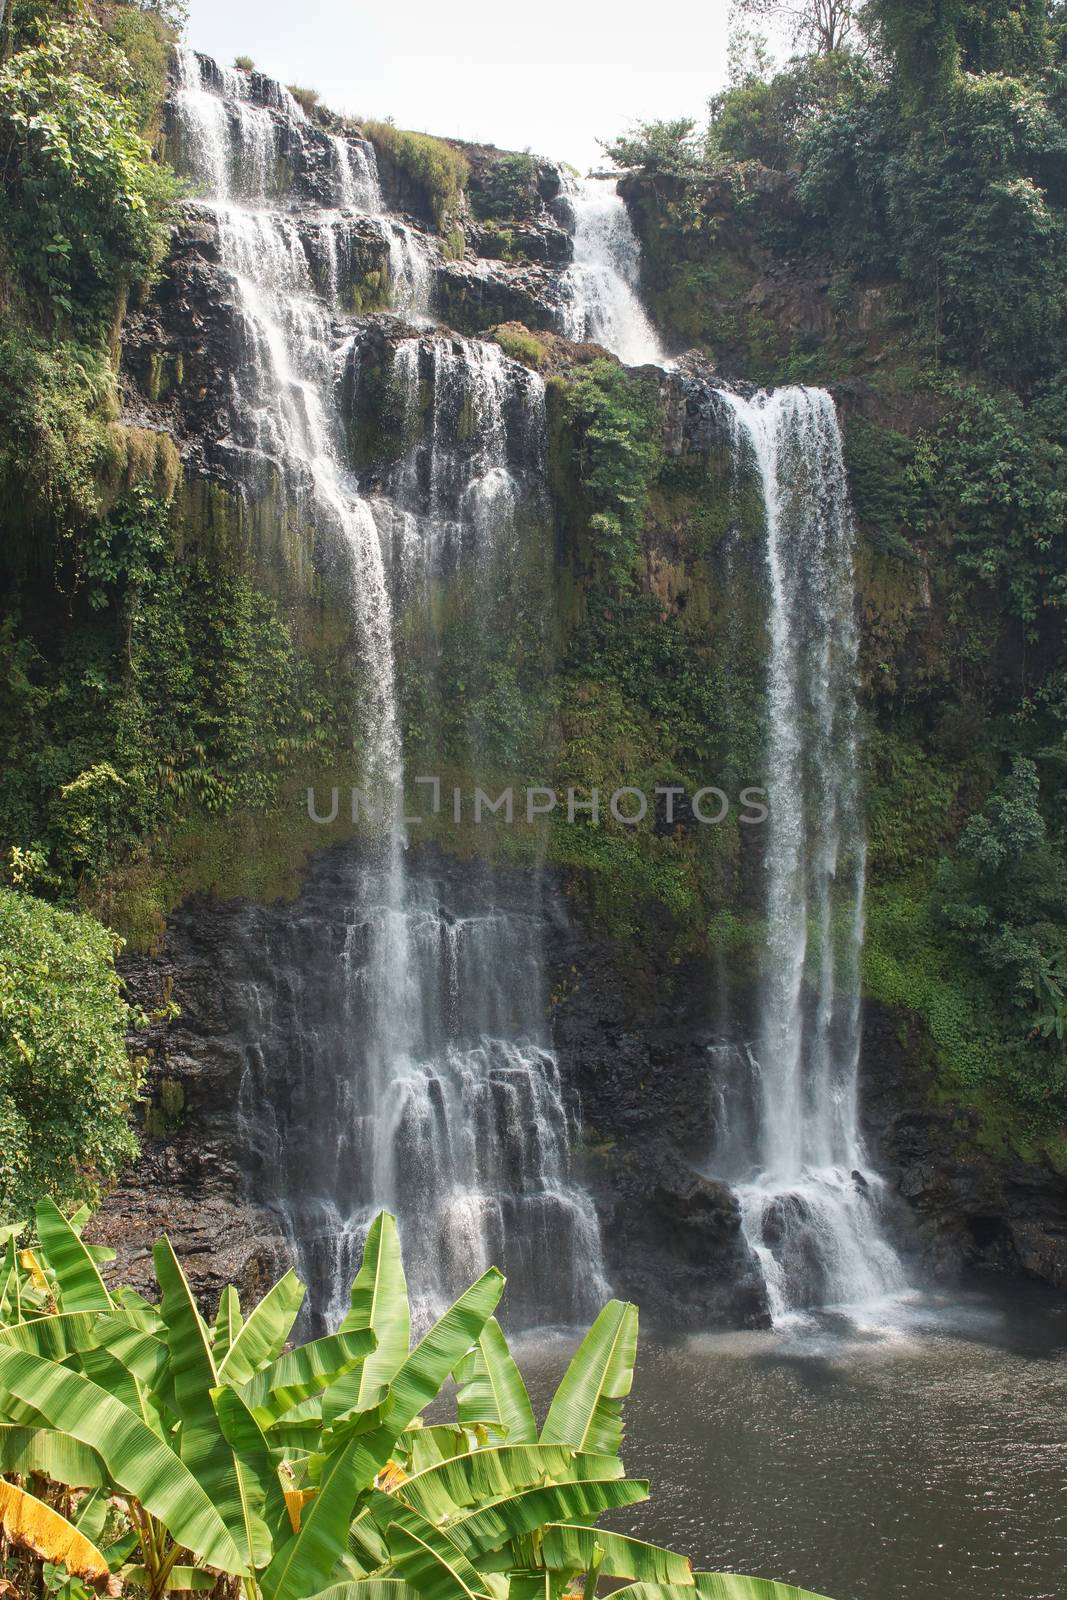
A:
(399, 1054)
(810, 1209)
(601, 287)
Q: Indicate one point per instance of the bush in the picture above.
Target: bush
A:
(66, 1082)
(306, 99)
(81, 200)
(520, 344)
(438, 168)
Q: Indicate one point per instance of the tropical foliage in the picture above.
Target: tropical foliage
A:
(143, 1447)
(66, 1081)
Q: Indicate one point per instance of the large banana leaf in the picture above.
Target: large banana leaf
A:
(57, 1455)
(570, 1549)
(264, 1333)
(136, 1459)
(55, 1338)
(307, 1560)
(491, 1388)
(27, 1521)
(492, 1526)
(452, 1486)
(303, 1372)
(73, 1333)
(78, 1282)
(203, 1446)
(428, 1560)
(586, 1410)
(717, 1586)
(257, 1472)
(419, 1379)
(380, 1301)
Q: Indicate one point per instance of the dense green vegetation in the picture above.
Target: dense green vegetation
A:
(144, 1445)
(66, 1082)
(437, 168)
(897, 199)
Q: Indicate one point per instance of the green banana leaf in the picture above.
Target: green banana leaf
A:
(180, 1578)
(431, 1563)
(491, 1388)
(586, 1410)
(419, 1379)
(368, 1589)
(380, 1302)
(492, 1526)
(79, 1285)
(203, 1446)
(57, 1455)
(265, 1331)
(298, 1374)
(228, 1322)
(570, 1549)
(136, 1459)
(452, 1486)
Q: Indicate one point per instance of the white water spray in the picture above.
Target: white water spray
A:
(809, 1206)
(602, 286)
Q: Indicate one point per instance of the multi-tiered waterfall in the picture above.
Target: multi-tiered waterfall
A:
(398, 1054)
(810, 1208)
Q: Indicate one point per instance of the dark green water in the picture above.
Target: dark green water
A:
(926, 1460)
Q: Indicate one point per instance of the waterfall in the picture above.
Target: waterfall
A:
(602, 286)
(810, 1207)
(398, 1050)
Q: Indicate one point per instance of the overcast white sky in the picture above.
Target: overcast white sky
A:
(549, 75)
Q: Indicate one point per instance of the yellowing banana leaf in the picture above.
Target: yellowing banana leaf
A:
(30, 1523)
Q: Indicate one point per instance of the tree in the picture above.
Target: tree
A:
(821, 26)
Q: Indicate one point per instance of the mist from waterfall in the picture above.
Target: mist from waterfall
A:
(809, 1204)
(601, 287)
(415, 1072)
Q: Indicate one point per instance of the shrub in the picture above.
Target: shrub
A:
(81, 200)
(437, 167)
(306, 99)
(244, 63)
(520, 344)
(66, 1081)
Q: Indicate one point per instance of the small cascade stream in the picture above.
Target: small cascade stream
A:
(601, 287)
(413, 1071)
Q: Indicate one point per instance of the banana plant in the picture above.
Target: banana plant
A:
(179, 1450)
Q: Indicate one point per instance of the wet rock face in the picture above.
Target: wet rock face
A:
(639, 1059)
(671, 1234)
(965, 1209)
